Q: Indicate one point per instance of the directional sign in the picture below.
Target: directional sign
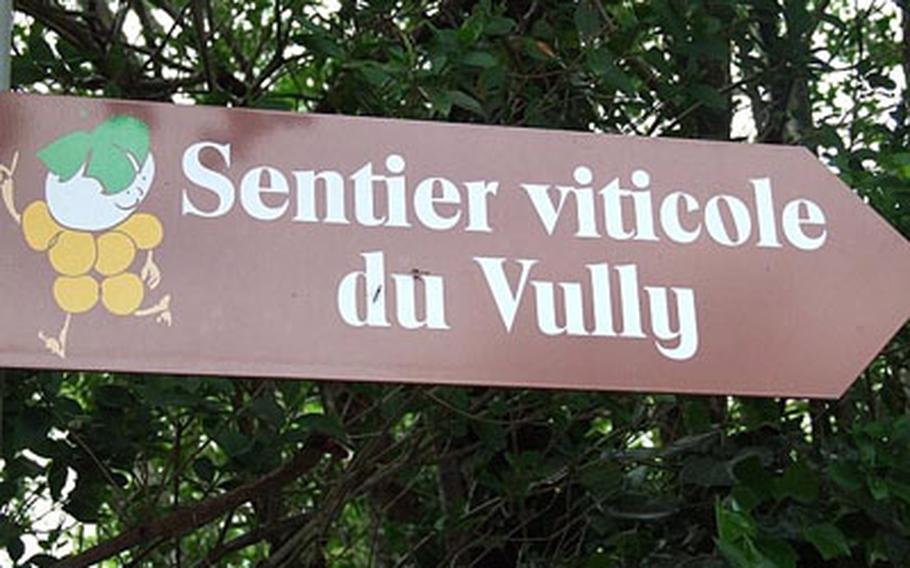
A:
(190, 240)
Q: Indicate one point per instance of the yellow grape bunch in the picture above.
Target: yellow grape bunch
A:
(82, 259)
(88, 226)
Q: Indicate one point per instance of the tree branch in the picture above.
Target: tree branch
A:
(198, 15)
(185, 519)
(61, 22)
(276, 529)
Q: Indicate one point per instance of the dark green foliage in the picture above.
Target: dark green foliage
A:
(419, 476)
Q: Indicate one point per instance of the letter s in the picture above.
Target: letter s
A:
(215, 182)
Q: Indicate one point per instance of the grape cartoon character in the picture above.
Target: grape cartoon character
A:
(88, 225)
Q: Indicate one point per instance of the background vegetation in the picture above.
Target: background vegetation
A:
(190, 471)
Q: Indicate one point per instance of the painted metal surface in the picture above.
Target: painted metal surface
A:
(190, 240)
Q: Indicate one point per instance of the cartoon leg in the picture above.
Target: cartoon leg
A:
(162, 311)
(7, 187)
(57, 345)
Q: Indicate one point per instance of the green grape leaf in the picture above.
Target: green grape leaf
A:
(112, 141)
(65, 155)
(110, 165)
(108, 149)
(128, 134)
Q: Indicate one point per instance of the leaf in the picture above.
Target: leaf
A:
(847, 475)
(276, 101)
(828, 540)
(599, 560)
(498, 25)
(736, 553)
(733, 525)
(15, 548)
(878, 487)
(545, 48)
(881, 81)
(43, 560)
(471, 30)
(709, 96)
(38, 48)
(322, 424)
(633, 509)
(7, 492)
(602, 63)
(204, 468)
(602, 477)
(745, 498)
(22, 467)
(759, 413)
(480, 59)
(441, 102)
(587, 19)
(750, 472)
(129, 134)
(64, 156)
(233, 443)
(67, 407)
(56, 478)
(26, 72)
(374, 74)
(776, 553)
(265, 408)
(116, 397)
(30, 430)
(320, 42)
(899, 490)
(84, 502)
(110, 166)
(694, 443)
(696, 416)
(705, 472)
(107, 149)
(114, 141)
(799, 483)
(466, 102)
(669, 18)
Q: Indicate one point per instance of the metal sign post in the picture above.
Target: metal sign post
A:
(6, 46)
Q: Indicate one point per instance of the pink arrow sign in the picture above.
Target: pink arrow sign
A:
(157, 238)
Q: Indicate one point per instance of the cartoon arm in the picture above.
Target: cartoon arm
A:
(147, 233)
(150, 273)
(6, 188)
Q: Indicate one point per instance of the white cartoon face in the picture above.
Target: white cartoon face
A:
(81, 202)
(96, 179)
